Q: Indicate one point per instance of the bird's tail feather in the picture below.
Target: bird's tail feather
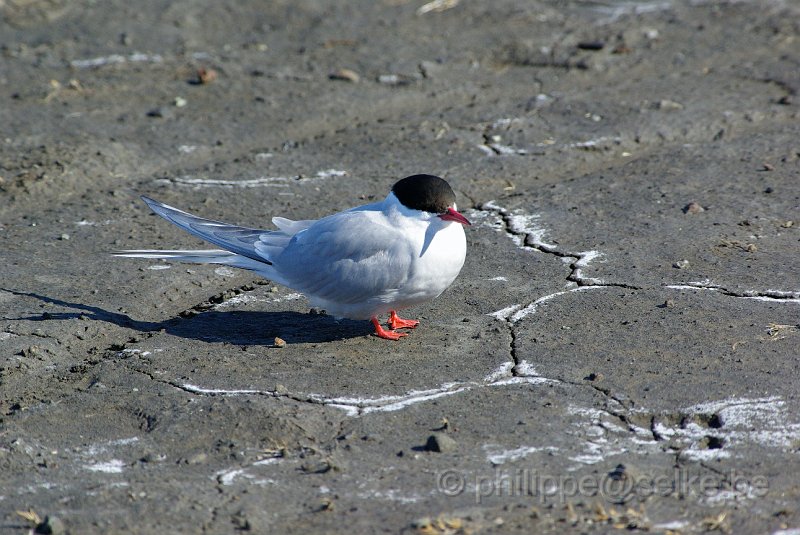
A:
(205, 256)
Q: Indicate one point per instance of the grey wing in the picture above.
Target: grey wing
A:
(346, 258)
(239, 240)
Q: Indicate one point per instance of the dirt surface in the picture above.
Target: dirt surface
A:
(619, 352)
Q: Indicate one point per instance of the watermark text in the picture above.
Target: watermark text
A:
(617, 486)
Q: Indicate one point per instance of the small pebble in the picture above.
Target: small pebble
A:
(347, 75)
(161, 113)
(693, 208)
(439, 442)
(64, 236)
(206, 76)
(591, 45)
(681, 264)
(669, 105)
(179, 102)
(395, 79)
(428, 68)
(388, 79)
(51, 525)
(316, 466)
(651, 33)
(30, 351)
(151, 457)
(279, 342)
(621, 48)
(197, 458)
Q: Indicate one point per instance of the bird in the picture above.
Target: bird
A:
(359, 264)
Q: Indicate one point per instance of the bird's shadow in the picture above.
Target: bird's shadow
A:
(240, 327)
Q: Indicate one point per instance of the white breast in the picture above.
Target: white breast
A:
(437, 266)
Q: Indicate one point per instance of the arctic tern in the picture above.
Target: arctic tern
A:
(360, 263)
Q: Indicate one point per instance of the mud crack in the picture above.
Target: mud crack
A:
(783, 296)
(527, 236)
(506, 374)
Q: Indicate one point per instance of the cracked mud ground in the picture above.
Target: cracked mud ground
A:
(619, 352)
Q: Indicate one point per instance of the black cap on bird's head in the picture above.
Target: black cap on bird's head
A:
(430, 194)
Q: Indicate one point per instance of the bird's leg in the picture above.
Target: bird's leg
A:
(383, 333)
(396, 322)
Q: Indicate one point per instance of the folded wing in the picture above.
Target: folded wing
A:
(239, 240)
(346, 258)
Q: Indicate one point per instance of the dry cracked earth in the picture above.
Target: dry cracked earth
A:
(619, 352)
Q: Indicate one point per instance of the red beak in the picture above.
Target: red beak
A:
(452, 215)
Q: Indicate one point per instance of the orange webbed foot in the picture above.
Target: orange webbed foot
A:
(383, 333)
(396, 322)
